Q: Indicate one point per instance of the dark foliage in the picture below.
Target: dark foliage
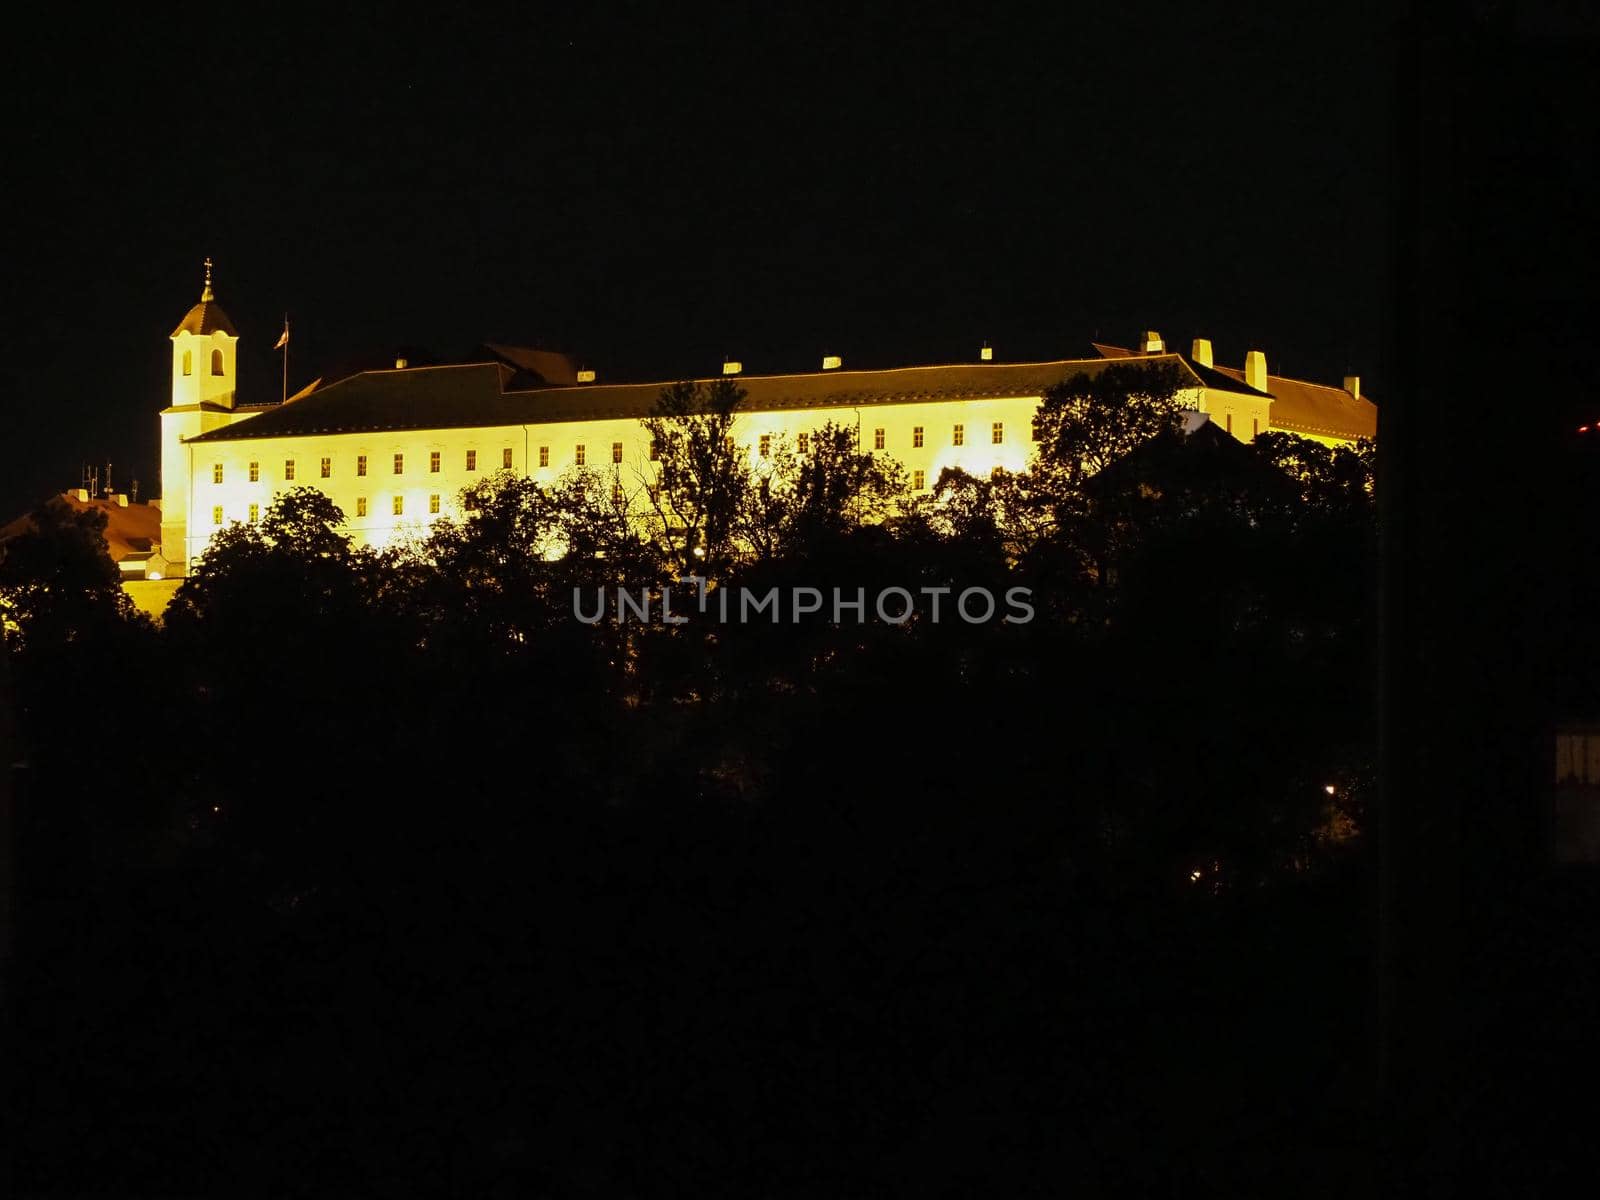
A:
(450, 892)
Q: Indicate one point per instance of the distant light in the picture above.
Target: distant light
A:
(699, 551)
(986, 354)
(1194, 876)
(216, 808)
(1329, 788)
(832, 362)
(153, 575)
(585, 376)
(730, 367)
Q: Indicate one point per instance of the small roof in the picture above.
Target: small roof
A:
(1314, 408)
(204, 318)
(131, 529)
(207, 316)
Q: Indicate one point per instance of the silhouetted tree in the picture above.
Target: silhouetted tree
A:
(700, 472)
(57, 579)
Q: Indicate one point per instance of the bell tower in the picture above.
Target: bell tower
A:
(204, 374)
(204, 354)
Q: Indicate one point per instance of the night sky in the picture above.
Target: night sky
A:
(653, 192)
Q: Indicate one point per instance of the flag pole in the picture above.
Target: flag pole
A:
(285, 344)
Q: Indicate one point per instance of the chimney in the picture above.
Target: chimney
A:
(986, 354)
(121, 500)
(1201, 351)
(1150, 343)
(1352, 384)
(1255, 370)
(832, 362)
(400, 364)
(586, 376)
(81, 495)
(729, 367)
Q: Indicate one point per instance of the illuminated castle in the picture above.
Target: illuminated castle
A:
(394, 448)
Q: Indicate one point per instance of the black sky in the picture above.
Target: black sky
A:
(654, 190)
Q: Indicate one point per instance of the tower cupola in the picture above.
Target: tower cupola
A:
(204, 354)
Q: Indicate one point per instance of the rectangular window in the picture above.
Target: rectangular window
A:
(1228, 422)
(655, 450)
(361, 506)
(766, 445)
(399, 464)
(1036, 429)
(505, 458)
(361, 464)
(433, 503)
(998, 434)
(472, 460)
(255, 513)
(804, 443)
(916, 435)
(216, 515)
(216, 472)
(959, 434)
(288, 469)
(433, 463)
(877, 439)
(399, 506)
(616, 492)
(544, 456)
(616, 452)
(919, 480)
(255, 472)
(1255, 426)
(581, 454)
(327, 467)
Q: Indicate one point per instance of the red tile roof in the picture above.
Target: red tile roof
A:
(130, 531)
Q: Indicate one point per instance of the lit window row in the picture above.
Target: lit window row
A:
(325, 465)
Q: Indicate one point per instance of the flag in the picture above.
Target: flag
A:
(283, 338)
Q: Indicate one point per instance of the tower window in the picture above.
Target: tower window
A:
(616, 452)
(399, 464)
(544, 456)
(998, 435)
(188, 362)
(581, 454)
(327, 468)
(959, 435)
(288, 469)
(916, 435)
(216, 515)
(505, 458)
(877, 439)
(361, 506)
(433, 462)
(433, 503)
(255, 472)
(361, 464)
(399, 506)
(472, 460)
(216, 472)
(216, 362)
